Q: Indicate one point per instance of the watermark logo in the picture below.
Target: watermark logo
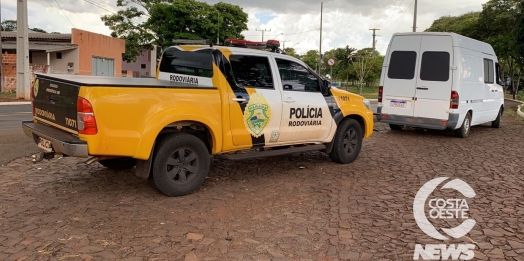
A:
(444, 209)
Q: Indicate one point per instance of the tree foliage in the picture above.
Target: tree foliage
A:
(166, 20)
(38, 30)
(8, 25)
(501, 24)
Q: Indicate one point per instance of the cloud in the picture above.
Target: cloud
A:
(296, 23)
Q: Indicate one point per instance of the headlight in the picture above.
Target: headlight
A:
(367, 104)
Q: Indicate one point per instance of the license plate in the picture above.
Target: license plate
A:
(398, 104)
(45, 144)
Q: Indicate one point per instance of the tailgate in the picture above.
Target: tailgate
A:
(55, 103)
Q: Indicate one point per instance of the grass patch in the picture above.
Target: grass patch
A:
(514, 114)
(7, 94)
(367, 92)
(520, 96)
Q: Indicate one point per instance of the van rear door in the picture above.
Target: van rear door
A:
(399, 80)
(433, 91)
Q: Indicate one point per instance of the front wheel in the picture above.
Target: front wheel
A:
(181, 165)
(463, 131)
(347, 142)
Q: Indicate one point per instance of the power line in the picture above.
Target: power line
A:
(389, 16)
(65, 14)
(402, 14)
(111, 11)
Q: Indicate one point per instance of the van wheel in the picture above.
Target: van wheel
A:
(118, 163)
(347, 142)
(181, 165)
(395, 127)
(463, 131)
(496, 122)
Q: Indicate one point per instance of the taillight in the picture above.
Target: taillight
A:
(380, 90)
(85, 117)
(454, 103)
(33, 99)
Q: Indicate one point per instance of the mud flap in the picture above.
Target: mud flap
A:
(143, 167)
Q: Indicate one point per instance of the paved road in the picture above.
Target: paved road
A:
(295, 207)
(13, 142)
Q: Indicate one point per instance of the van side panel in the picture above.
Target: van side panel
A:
(472, 84)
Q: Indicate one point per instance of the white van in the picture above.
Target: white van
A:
(440, 81)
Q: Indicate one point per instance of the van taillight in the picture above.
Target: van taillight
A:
(454, 103)
(85, 117)
(380, 90)
(33, 99)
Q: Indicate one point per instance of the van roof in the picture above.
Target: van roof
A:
(458, 41)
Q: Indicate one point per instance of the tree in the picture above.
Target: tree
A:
(8, 25)
(311, 59)
(292, 52)
(466, 24)
(38, 30)
(167, 20)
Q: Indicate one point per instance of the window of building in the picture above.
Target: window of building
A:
(402, 65)
(296, 77)
(58, 55)
(143, 66)
(435, 66)
(489, 76)
(251, 71)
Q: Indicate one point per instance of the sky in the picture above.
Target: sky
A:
(296, 23)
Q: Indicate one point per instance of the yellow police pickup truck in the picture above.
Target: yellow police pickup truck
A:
(206, 101)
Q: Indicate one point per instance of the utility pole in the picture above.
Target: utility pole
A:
(263, 31)
(22, 52)
(374, 29)
(284, 44)
(320, 43)
(2, 87)
(415, 17)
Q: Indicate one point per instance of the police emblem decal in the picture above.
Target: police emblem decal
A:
(257, 115)
(35, 87)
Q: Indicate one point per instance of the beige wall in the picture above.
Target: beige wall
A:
(97, 45)
(60, 65)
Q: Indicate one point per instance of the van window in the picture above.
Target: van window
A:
(435, 66)
(402, 65)
(187, 63)
(489, 76)
(252, 71)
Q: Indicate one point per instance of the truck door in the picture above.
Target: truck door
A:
(433, 90)
(400, 79)
(255, 104)
(305, 115)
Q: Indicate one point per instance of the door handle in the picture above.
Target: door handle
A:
(422, 88)
(239, 99)
(289, 100)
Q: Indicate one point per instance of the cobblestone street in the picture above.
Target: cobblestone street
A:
(297, 207)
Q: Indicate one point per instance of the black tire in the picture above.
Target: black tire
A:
(347, 142)
(175, 174)
(464, 130)
(118, 163)
(395, 127)
(496, 122)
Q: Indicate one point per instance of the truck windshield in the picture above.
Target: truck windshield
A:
(187, 63)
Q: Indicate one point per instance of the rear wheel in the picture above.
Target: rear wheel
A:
(463, 131)
(347, 142)
(395, 127)
(181, 165)
(118, 163)
(496, 122)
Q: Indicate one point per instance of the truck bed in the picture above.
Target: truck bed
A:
(87, 80)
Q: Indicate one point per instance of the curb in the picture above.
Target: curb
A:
(15, 103)
(519, 111)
